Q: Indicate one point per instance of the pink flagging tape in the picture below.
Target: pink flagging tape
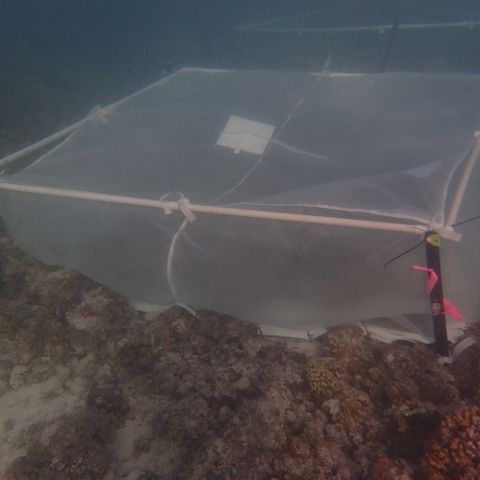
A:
(450, 308)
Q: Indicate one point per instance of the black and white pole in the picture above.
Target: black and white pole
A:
(432, 243)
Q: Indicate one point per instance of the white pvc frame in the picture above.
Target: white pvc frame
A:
(184, 206)
(169, 206)
(383, 28)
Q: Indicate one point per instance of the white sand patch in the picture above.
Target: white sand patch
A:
(25, 407)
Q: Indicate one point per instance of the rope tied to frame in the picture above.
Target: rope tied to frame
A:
(183, 205)
(100, 113)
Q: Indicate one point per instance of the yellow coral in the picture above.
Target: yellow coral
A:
(322, 379)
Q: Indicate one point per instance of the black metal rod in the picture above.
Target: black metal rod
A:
(432, 243)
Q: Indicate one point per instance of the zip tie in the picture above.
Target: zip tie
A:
(183, 206)
(99, 113)
(166, 210)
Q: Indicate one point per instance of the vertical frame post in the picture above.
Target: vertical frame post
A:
(389, 46)
(432, 244)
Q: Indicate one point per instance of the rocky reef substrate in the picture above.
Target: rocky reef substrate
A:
(91, 389)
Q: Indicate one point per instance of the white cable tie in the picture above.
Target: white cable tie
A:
(166, 210)
(183, 206)
(99, 113)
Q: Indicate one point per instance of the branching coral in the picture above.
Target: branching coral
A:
(454, 451)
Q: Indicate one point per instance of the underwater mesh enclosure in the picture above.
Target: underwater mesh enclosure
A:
(387, 154)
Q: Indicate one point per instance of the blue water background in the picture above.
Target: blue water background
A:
(60, 58)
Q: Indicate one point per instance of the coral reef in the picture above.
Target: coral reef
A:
(385, 468)
(454, 451)
(323, 379)
(90, 388)
(469, 361)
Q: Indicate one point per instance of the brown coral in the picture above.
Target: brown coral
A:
(355, 411)
(75, 446)
(466, 370)
(349, 344)
(454, 451)
(385, 468)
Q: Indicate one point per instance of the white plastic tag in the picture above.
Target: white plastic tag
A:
(241, 134)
